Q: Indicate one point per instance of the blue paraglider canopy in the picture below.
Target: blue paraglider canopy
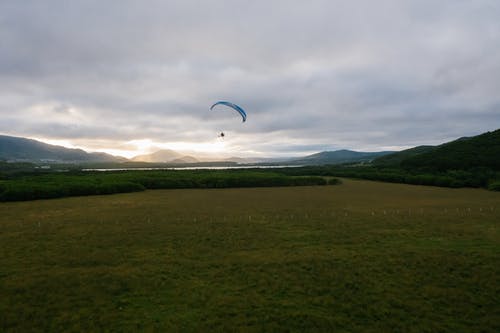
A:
(234, 107)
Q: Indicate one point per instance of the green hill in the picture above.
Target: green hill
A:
(482, 151)
(28, 150)
(395, 159)
(338, 157)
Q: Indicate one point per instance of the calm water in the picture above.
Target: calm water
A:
(201, 167)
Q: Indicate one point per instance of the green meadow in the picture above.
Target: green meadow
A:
(361, 256)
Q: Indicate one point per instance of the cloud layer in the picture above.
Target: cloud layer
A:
(312, 75)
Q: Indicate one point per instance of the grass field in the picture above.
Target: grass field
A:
(359, 257)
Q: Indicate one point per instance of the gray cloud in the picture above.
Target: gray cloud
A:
(312, 75)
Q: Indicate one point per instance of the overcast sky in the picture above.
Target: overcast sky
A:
(129, 77)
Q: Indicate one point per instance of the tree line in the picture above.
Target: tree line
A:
(31, 186)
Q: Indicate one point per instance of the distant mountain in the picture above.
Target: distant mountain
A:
(28, 150)
(395, 159)
(338, 157)
(481, 151)
(185, 160)
(172, 156)
(160, 156)
(239, 160)
(258, 160)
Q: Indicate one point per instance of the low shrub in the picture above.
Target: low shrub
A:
(494, 186)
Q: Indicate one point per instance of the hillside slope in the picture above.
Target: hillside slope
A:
(23, 149)
(395, 159)
(482, 151)
(338, 157)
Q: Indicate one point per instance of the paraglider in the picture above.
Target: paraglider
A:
(234, 107)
